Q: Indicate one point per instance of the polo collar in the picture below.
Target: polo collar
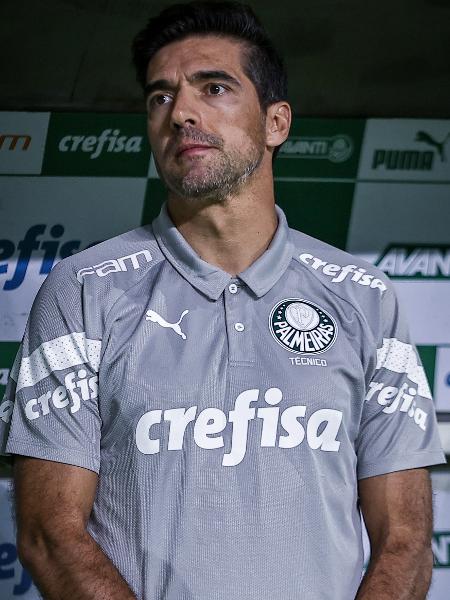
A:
(260, 276)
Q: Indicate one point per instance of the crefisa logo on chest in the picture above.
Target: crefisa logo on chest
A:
(302, 327)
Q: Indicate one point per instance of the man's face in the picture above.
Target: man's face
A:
(205, 123)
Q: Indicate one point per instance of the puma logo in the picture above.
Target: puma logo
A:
(423, 136)
(153, 316)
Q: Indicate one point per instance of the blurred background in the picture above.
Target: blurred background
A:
(366, 168)
(345, 58)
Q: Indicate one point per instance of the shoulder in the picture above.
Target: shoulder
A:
(337, 268)
(120, 261)
(352, 281)
(84, 287)
(81, 290)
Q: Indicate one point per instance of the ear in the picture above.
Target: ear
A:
(278, 123)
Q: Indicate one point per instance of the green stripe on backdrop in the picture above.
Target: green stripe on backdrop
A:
(8, 351)
(428, 357)
(155, 195)
(321, 210)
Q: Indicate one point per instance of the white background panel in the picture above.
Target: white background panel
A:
(442, 379)
(391, 213)
(411, 214)
(89, 209)
(14, 585)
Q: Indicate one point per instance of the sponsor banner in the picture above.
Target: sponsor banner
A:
(99, 165)
(319, 148)
(406, 150)
(442, 379)
(43, 220)
(83, 144)
(22, 142)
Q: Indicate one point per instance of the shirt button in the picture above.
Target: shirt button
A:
(233, 288)
(239, 326)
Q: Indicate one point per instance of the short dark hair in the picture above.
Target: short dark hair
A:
(262, 64)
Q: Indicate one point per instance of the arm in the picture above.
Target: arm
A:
(397, 511)
(53, 504)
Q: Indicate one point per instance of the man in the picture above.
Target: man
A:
(202, 404)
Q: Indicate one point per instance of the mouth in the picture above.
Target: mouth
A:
(192, 150)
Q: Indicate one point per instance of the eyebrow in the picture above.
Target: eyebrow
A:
(198, 76)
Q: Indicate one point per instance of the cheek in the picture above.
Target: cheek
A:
(158, 128)
(248, 118)
(157, 141)
(248, 131)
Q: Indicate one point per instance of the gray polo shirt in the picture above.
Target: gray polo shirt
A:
(229, 419)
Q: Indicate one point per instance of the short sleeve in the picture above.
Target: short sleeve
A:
(398, 428)
(50, 408)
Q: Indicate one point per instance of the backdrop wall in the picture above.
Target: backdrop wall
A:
(377, 188)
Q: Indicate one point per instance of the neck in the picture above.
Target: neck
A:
(231, 234)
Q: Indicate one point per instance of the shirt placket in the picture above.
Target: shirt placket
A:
(238, 317)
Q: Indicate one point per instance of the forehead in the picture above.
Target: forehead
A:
(194, 53)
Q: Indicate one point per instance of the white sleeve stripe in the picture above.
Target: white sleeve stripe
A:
(400, 357)
(57, 354)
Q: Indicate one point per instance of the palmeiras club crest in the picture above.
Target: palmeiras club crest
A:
(302, 327)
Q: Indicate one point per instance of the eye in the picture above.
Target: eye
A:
(158, 100)
(216, 89)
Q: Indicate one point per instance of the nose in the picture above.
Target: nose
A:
(184, 110)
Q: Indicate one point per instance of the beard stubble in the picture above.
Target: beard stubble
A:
(225, 172)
